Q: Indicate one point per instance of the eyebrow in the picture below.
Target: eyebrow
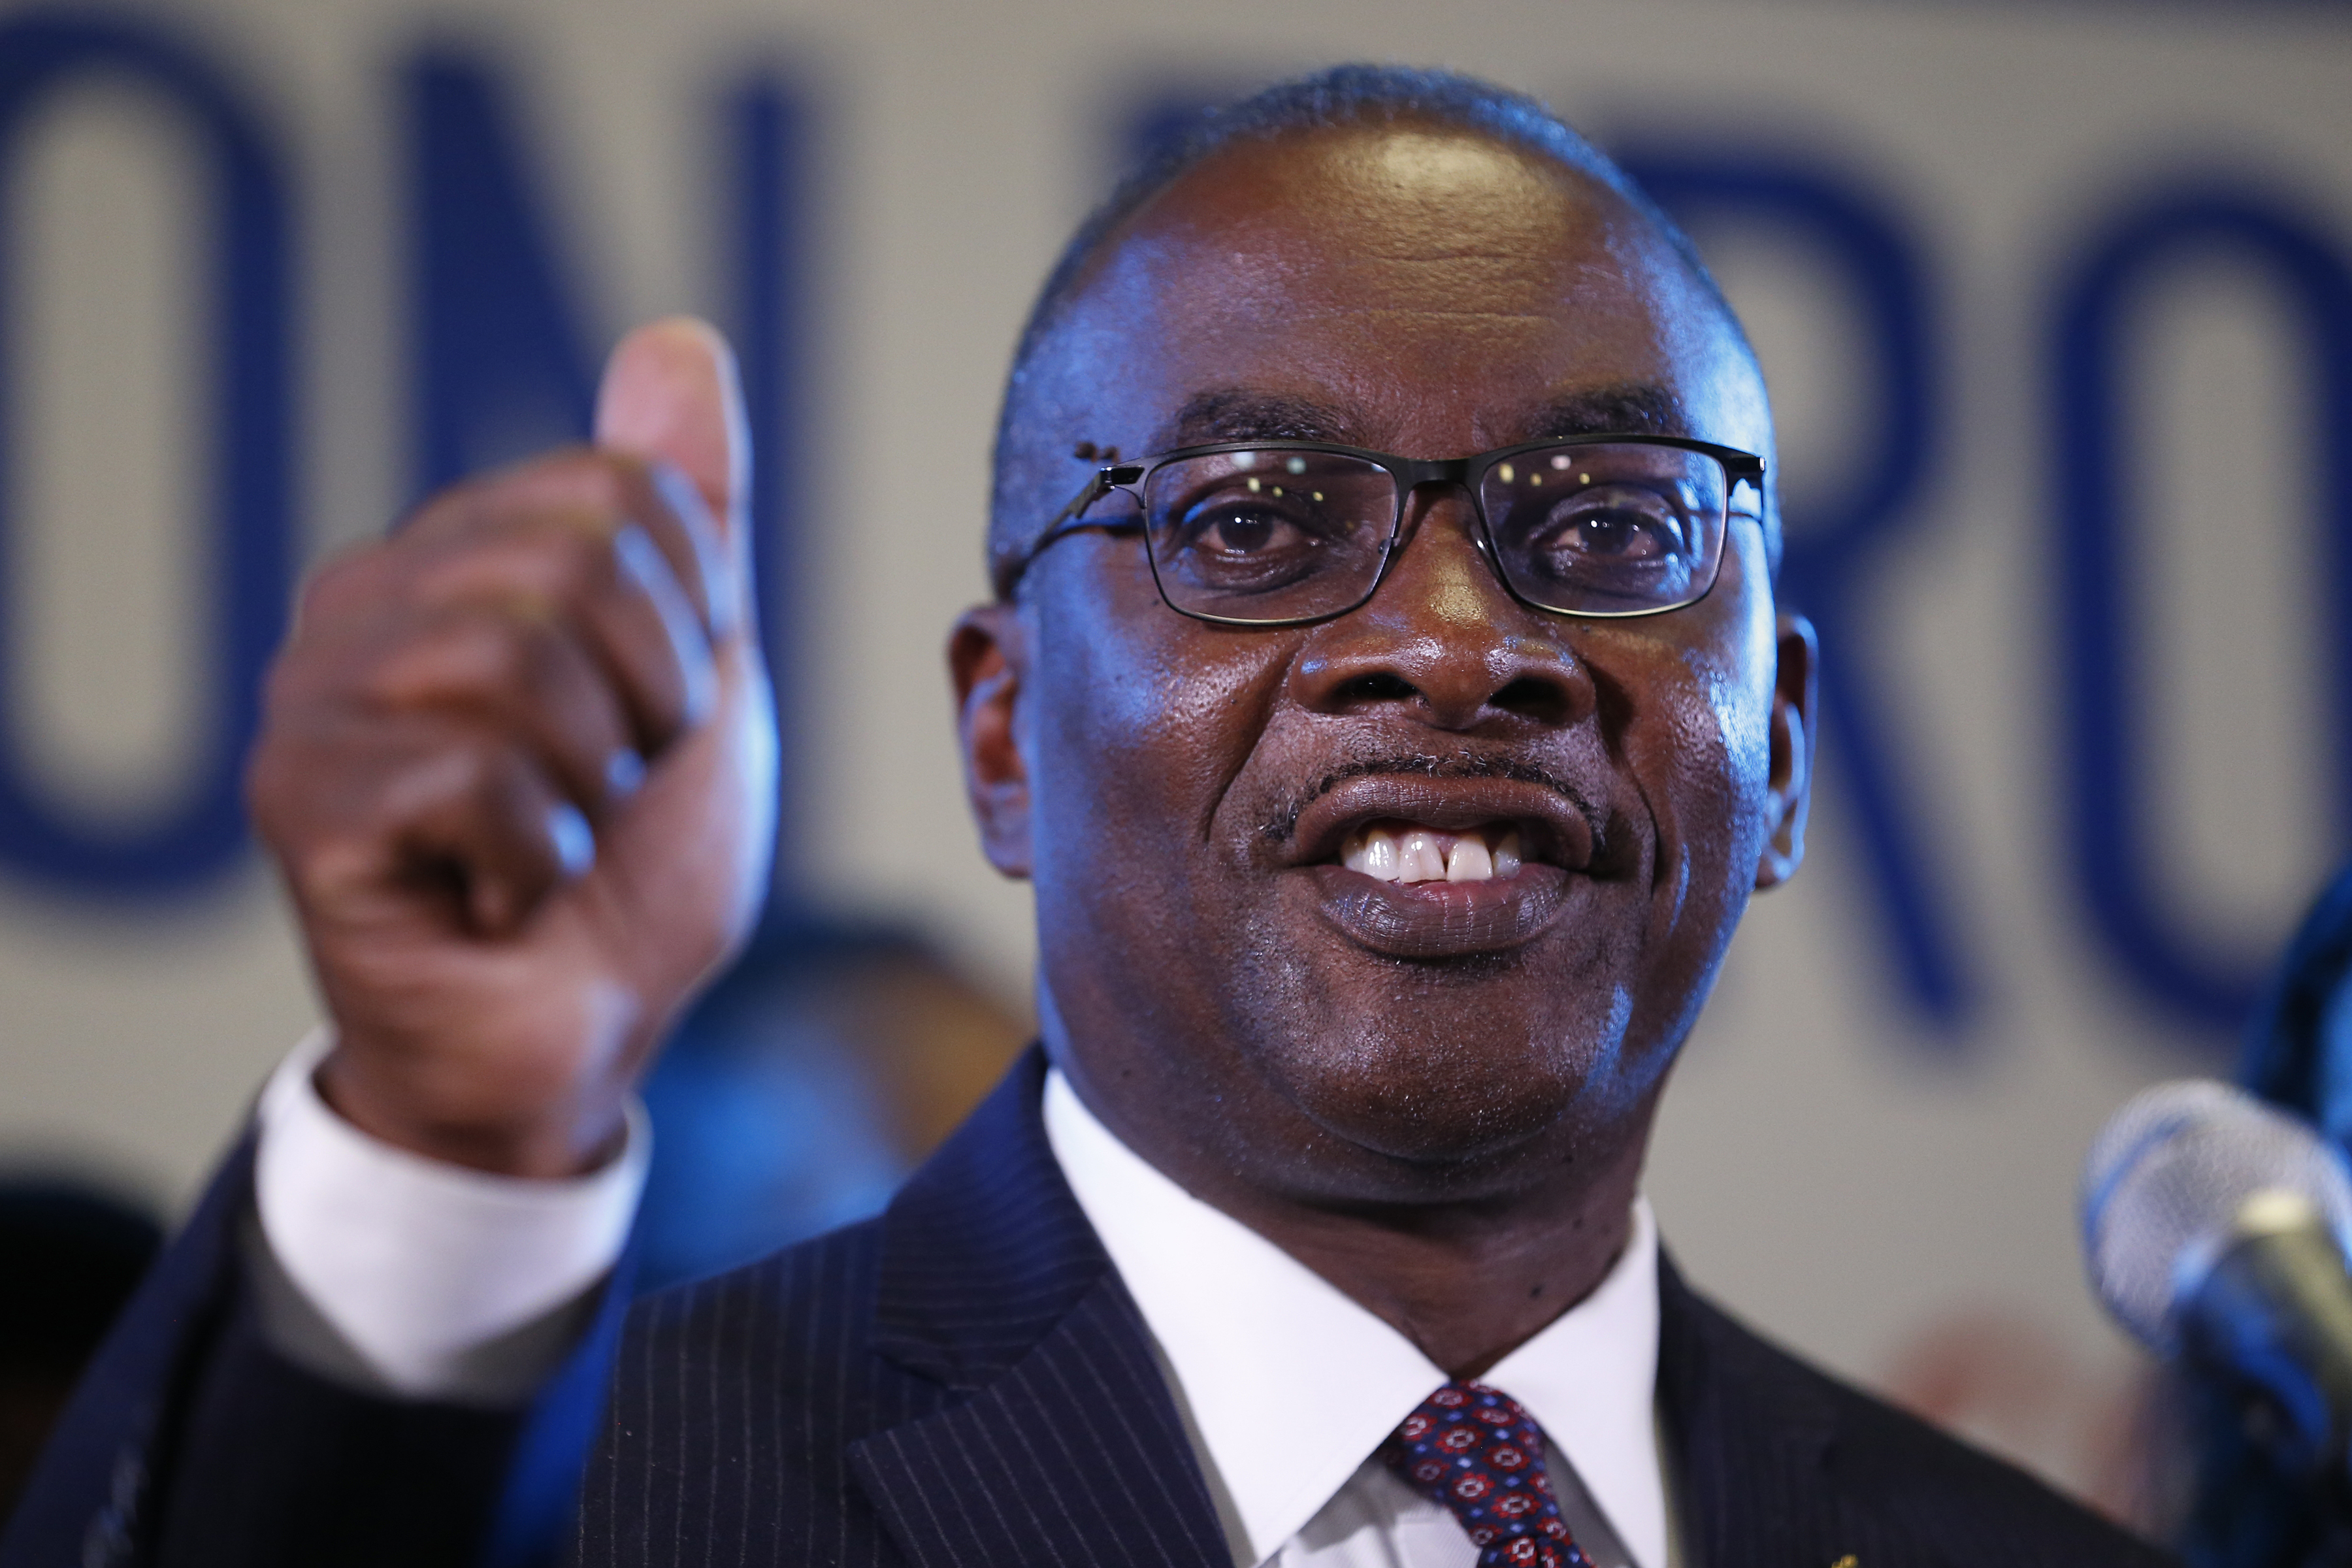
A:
(1235, 414)
(1238, 414)
(1629, 408)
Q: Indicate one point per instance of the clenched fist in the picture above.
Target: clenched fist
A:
(518, 770)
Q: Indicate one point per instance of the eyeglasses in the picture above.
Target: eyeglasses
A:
(1260, 533)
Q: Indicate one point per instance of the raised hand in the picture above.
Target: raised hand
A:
(519, 771)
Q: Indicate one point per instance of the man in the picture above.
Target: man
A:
(1388, 703)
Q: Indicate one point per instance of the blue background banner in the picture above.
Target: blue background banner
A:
(2056, 303)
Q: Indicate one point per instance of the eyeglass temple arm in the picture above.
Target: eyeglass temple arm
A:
(1097, 483)
(1105, 479)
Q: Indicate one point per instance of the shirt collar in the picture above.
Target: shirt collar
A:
(1289, 1384)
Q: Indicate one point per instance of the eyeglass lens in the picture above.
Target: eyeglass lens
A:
(1283, 534)
(1607, 529)
(1273, 535)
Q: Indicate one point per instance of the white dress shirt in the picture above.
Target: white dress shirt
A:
(432, 1281)
(1288, 1387)
(422, 1278)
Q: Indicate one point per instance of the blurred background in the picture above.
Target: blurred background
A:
(2057, 303)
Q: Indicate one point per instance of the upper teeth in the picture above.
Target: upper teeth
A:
(1406, 853)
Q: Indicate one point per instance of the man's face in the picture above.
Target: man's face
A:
(1219, 985)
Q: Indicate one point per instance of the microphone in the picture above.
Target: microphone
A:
(2215, 1229)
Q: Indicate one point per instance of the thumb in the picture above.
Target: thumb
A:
(670, 392)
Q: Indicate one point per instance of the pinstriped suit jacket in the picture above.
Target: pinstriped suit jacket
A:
(962, 1381)
(965, 1381)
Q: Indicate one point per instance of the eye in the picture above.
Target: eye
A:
(1261, 524)
(1615, 525)
(1253, 517)
(1234, 531)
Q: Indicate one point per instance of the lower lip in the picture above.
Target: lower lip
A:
(1441, 920)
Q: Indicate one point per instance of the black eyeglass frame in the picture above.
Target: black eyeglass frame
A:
(1410, 473)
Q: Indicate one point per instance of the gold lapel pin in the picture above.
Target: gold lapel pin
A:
(1848, 1561)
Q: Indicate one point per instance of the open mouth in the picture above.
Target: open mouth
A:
(1420, 829)
(1393, 850)
(1424, 864)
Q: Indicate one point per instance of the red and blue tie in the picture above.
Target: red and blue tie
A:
(1477, 1450)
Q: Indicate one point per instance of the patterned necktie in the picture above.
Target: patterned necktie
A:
(1477, 1451)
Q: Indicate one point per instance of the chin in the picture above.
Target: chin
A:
(1449, 1093)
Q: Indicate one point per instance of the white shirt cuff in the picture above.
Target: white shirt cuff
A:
(420, 1266)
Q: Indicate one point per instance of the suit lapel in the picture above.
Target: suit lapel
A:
(1067, 1448)
(1073, 1456)
(1755, 1444)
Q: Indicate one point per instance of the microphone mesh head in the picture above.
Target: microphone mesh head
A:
(2165, 1183)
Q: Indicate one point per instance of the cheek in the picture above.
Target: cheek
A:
(1136, 734)
(1740, 705)
(1717, 748)
(1702, 757)
(1714, 752)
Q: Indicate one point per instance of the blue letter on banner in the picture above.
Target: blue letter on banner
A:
(202, 833)
(2107, 762)
(505, 364)
(503, 369)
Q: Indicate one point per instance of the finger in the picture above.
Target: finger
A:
(670, 393)
(432, 805)
(600, 492)
(478, 813)
(672, 396)
(530, 678)
(617, 591)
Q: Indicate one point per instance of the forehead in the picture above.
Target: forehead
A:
(1434, 290)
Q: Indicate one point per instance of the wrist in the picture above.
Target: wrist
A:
(501, 1123)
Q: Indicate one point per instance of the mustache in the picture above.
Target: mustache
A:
(1279, 827)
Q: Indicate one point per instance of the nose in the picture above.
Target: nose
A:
(1443, 638)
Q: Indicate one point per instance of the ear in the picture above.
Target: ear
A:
(1790, 783)
(987, 656)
